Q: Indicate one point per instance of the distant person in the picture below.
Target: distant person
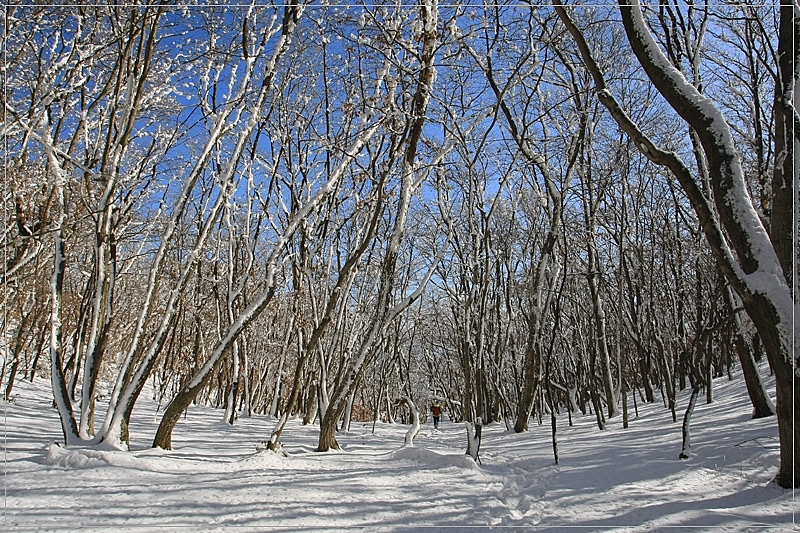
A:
(436, 411)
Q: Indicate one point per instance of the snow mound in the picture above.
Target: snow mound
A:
(84, 457)
(433, 459)
(75, 458)
(264, 459)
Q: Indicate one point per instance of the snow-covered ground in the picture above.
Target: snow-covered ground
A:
(216, 480)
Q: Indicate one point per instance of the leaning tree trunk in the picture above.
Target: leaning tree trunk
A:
(385, 312)
(744, 250)
(184, 398)
(762, 404)
(759, 255)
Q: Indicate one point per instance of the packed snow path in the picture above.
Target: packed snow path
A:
(215, 479)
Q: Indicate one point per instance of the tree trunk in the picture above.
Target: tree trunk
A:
(59, 384)
(667, 378)
(785, 360)
(687, 417)
(744, 250)
(184, 398)
(625, 404)
(602, 344)
(474, 433)
(312, 405)
(415, 425)
(327, 433)
(230, 407)
(294, 396)
(12, 374)
(247, 396)
(525, 404)
(762, 404)
(175, 409)
(348, 412)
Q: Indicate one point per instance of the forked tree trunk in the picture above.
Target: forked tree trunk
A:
(385, 312)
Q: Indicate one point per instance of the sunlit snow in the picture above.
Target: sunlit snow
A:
(216, 480)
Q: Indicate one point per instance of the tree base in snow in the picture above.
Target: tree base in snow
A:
(474, 439)
(264, 446)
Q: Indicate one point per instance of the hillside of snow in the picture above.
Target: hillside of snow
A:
(215, 479)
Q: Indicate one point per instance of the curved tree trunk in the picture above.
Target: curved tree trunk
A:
(770, 304)
(175, 409)
(384, 311)
(184, 398)
(744, 250)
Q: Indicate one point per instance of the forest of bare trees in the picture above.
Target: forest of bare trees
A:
(316, 210)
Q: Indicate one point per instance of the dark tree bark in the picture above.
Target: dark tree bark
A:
(770, 308)
(687, 418)
(184, 398)
(762, 405)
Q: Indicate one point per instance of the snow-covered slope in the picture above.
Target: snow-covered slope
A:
(216, 480)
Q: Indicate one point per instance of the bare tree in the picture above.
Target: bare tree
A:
(769, 304)
(408, 143)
